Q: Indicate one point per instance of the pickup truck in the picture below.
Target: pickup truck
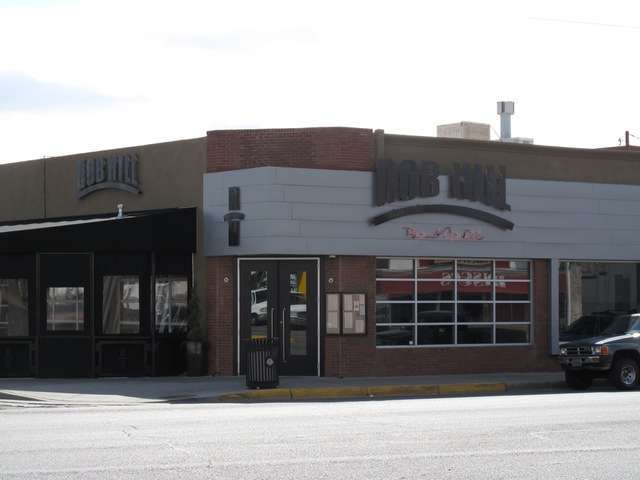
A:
(614, 354)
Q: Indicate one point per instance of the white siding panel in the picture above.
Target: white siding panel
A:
(317, 212)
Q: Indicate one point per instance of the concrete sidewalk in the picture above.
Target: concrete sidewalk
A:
(128, 391)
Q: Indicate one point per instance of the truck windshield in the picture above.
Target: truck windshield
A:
(623, 324)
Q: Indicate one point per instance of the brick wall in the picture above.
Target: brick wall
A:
(351, 356)
(221, 314)
(325, 148)
(358, 356)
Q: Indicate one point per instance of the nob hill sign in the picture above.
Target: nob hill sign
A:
(118, 172)
(408, 179)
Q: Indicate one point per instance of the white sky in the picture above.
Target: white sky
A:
(77, 76)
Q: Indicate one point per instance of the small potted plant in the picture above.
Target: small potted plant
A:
(194, 343)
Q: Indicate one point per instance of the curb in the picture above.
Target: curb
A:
(319, 393)
(549, 385)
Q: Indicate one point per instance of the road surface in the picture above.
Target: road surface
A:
(593, 435)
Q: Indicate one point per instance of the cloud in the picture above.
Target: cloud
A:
(35, 3)
(239, 41)
(20, 93)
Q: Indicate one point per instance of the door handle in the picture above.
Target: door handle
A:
(284, 351)
(273, 332)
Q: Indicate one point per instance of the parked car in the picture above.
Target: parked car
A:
(614, 354)
(588, 326)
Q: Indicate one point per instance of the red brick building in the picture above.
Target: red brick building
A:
(428, 255)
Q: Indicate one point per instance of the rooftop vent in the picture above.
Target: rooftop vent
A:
(466, 130)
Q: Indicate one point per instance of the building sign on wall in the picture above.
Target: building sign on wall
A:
(408, 179)
(118, 172)
(444, 233)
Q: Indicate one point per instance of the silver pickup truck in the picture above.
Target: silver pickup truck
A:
(614, 354)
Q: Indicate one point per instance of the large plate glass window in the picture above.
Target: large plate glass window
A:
(434, 301)
(120, 304)
(65, 309)
(14, 307)
(593, 294)
(172, 296)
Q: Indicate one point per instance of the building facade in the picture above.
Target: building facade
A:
(428, 255)
(362, 252)
(99, 254)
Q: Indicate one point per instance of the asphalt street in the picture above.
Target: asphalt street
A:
(592, 435)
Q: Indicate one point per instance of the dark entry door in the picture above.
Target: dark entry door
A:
(278, 299)
(65, 323)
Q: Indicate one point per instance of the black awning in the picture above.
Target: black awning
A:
(158, 231)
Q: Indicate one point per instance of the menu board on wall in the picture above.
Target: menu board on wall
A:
(354, 308)
(333, 313)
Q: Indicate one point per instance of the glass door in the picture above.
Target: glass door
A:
(258, 284)
(278, 300)
(298, 317)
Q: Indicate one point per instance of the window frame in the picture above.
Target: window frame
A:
(456, 279)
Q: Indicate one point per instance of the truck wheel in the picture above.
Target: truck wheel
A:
(625, 373)
(578, 380)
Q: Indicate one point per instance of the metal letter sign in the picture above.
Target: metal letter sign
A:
(479, 184)
(405, 181)
(118, 172)
(409, 179)
(399, 182)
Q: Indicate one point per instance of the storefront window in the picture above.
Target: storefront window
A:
(65, 309)
(14, 307)
(593, 294)
(120, 304)
(422, 301)
(171, 304)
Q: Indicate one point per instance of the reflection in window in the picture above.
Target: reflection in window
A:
(394, 313)
(14, 310)
(475, 313)
(392, 291)
(394, 335)
(259, 292)
(120, 304)
(298, 291)
(593, 294)
(394, 268)
(452, 302)
(512, 269)
(65, 309)
(474, 271)
(171, 304)
(435, 269)
(512, 334)
(469, 334)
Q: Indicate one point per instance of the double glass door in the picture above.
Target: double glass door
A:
(278, 300)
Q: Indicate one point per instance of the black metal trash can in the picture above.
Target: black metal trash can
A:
(262, 363)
